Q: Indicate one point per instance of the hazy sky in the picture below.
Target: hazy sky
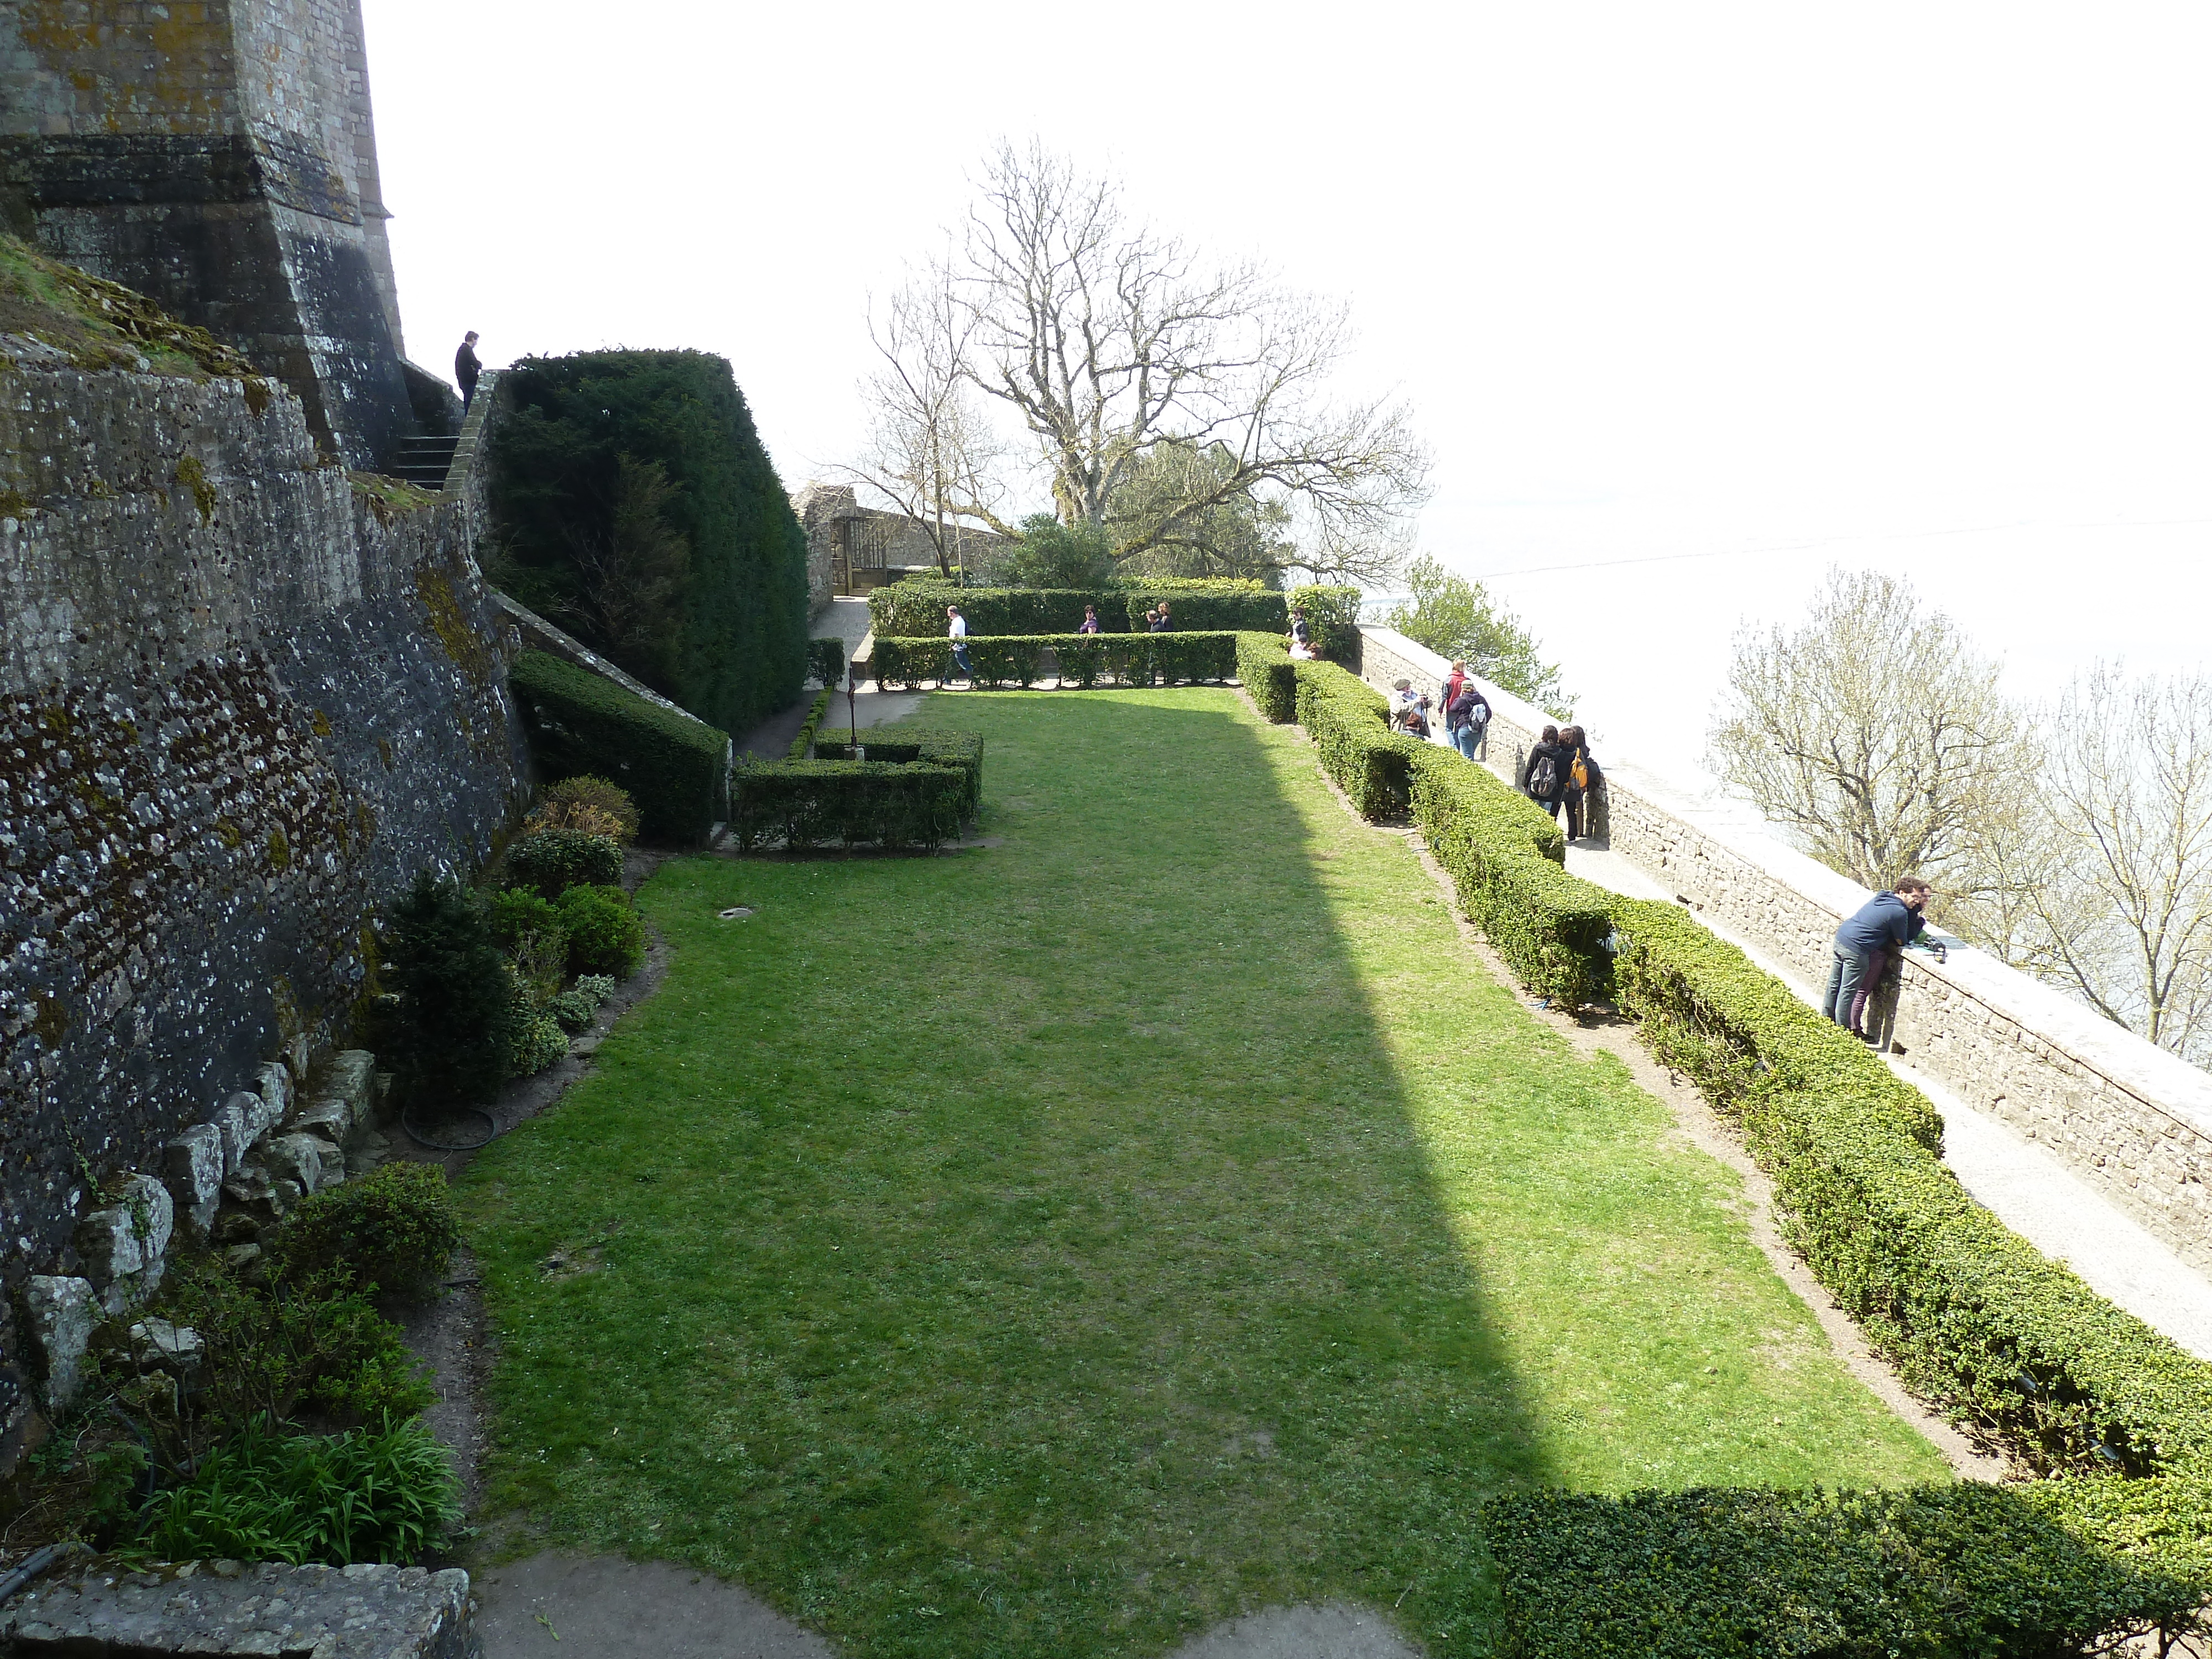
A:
(1926, 289)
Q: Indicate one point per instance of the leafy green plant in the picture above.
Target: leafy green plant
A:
(579, 723)
(554, 860)
(1052, 554)
(597, 986)
(451, 1028)
(572, 1011)
(301, 1342)
(539, 1041)
(605, 934)
(392, 1229)
(386, 1494)
(1459, 620)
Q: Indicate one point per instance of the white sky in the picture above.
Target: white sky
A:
(1926, 289)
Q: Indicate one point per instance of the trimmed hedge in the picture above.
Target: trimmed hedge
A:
(819, 803)
(1967, 1570)
(914, 608)
(737, 649)
(826, 660)
(1087, 659)
(579, 723)
(805, 740)
(1975, 1319)
(1264, 665)
(963, 750)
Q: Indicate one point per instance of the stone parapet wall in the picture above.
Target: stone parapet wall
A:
(242, 702)
(2132, 1119)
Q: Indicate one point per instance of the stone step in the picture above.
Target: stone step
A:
(230, 1607)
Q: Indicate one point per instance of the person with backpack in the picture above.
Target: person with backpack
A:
(1466, 717)
(1544, 773)
(1582, 776)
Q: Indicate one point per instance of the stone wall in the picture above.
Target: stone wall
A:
(2129, 1118)
(834, 518)
(242, 701)
(220, 157)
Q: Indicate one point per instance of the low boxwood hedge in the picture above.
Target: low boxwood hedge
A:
(1085, 659)
(1976, 1321)
(579, 723)
(822, 803)
(1967, 1569)
(805, 740)
(961, 749)
(1264, 665)
(914, 609)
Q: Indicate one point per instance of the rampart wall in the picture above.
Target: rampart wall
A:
(2132, 1119)
(242, 701)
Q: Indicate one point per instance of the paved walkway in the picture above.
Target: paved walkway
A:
(846, 620)
(2022, 1184)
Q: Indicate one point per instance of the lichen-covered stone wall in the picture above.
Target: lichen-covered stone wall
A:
(241, 703)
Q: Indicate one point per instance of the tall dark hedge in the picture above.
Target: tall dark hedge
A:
(741, 653)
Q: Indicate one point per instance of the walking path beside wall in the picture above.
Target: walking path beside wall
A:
(2127, 1120)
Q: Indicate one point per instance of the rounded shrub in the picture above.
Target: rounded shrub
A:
(605, 935)
(554, 860)
(572, 1011)
(393, 1228)
(592, 805)
(538, 1042)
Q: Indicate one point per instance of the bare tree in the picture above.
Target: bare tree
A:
(1872, 731)
(930, 451)
(2122, 914)
(1107, 340)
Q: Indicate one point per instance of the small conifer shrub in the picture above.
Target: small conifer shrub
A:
(452, 1025)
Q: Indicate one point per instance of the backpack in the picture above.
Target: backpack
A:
(1578, 772)
(1544, 777)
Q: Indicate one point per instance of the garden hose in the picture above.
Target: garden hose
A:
(491, 1130)
(37, 1562)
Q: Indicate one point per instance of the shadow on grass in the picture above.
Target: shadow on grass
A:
(1024, 1253)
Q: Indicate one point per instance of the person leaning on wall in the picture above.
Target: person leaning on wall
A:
(1887, 921)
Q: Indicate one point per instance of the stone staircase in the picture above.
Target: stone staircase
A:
(424, 462)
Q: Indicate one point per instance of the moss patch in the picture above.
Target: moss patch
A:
(388, 497)
(103, 325)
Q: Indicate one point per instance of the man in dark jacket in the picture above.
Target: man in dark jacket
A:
(466, 368)
(1886, 922)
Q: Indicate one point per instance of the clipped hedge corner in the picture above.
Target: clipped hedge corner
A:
(579, 723)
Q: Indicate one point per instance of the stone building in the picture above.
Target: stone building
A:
(219, 157)
(851, 549)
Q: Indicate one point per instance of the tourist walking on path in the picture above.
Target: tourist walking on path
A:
(956, 630)
(1887, 921)
(1544, 773)
(1467, 719)
(1582, 776)
(466, 368)
(1090, 620)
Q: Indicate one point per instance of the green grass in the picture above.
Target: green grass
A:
(1053, 1249)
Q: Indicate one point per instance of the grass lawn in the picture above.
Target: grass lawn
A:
(1053, 1249)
